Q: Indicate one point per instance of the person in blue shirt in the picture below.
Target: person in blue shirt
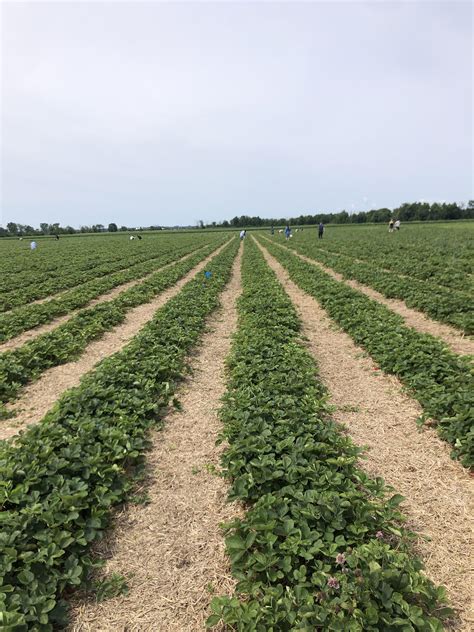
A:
(320, 230)
(287, 232)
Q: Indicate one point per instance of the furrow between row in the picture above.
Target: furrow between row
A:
(37, 398)
(31, 334)
(455, 340)
(377, 413)
(172, 583)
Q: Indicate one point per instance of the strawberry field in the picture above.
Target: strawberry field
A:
(428, 267)
(105, 335)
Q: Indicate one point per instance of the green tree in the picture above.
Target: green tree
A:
(112, 227)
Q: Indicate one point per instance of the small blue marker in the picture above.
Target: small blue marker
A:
(208, 274)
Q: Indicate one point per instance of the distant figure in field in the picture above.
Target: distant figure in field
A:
(390, 226)
(139, 237)
(320, 230)
(243, 233)
(33, 245)
(56, 237)
(272, 230)
(287, 232)
(397, 224)
(131, 237)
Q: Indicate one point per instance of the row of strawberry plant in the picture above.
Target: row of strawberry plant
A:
(72, 274)
(441, 303)
(419, 267)
(439, 379)
(61, 478)
(51, 262)
(52, 257)
(65, 343)
(412, 258)
(321, 546)
(29, 316)
(69, 276)
(439, 253)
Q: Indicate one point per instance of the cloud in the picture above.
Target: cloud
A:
(160, 112)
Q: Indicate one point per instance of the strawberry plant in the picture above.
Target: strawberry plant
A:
(451, 303)
(322, 546)
(68, 341)
(441, 254)
(61, 478)
(74, 261)
(28, 316)
(440, 380)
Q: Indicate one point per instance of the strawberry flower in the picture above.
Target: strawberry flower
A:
(333, 583)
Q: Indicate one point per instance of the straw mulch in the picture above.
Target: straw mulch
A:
(455, 339)
(379, 414)
(37, 398)
(172, 550)
(31, 334)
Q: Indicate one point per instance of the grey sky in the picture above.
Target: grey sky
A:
(145, 113)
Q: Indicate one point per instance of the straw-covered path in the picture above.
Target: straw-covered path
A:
(379, 415)
(172, 550)
(37, 398)
(455, 340)
(390, 271)
(34, 332)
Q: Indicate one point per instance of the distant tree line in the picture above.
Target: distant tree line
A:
(14, 229)
(408, 212)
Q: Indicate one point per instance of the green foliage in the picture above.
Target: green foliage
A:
(321, 545)
(28, 316)
(59, 265)
(61, 478)
(109, 587)
(139, 499)
(415, 211)
(427, 268)
(440, 380)
(68, 341)
(48, 274)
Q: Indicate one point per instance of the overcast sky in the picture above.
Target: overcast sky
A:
(146, 113)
